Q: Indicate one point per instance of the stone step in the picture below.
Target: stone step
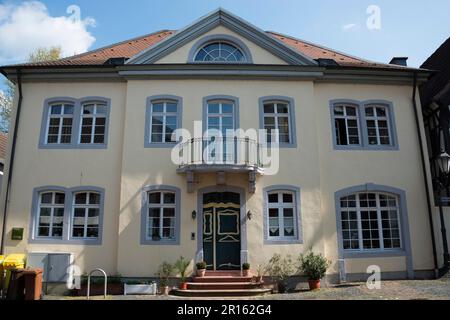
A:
(217, 273)
(222, 285)
(222, 279)
(221, 293)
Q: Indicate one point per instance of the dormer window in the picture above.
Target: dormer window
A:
(220, 52)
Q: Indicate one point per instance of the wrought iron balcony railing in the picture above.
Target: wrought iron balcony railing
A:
(224, 153)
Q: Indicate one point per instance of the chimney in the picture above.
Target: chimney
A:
(399, 61)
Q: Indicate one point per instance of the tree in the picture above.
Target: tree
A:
(7, 97)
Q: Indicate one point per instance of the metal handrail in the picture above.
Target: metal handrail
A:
(239, 151)
(89, 282)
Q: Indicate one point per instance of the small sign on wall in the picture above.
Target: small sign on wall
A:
(17, 234)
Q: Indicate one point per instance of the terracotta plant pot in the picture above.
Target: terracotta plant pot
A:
(246, 273)
(183, 286)
(201, 272)
(164, 290)
(314, 284)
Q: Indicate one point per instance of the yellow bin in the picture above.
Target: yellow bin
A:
(12, 261)
(1, 271)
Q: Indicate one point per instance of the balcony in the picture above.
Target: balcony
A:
(221, 156)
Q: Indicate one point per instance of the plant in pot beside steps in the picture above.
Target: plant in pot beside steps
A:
(165, 270)
(181, 265)
(280, 268)
(246, 269)
(201, 268)
(314, 267)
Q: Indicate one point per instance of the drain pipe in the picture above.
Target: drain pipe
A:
(424, 169)
(11, 159)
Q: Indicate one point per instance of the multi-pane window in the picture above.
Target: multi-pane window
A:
(276, 117)
(363, 125)
(377, 122)
(346, 125)
(50, 214)
(370, 221)
(60, 120)
(161, 215)
(220, 52)
(281, 215)
(86, 215)
(93, 123)
(163, 121)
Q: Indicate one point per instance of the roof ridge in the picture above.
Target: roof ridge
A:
(114, 45)
(325, 48)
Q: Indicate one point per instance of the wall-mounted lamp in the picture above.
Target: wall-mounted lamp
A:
(194, 214)
(249, 215)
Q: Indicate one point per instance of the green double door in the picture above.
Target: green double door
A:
(221, 230)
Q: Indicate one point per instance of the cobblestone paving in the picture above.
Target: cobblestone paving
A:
(390, 290)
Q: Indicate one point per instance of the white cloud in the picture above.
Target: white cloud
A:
(28, 26)
(349, 26)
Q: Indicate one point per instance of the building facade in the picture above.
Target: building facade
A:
(94, 171)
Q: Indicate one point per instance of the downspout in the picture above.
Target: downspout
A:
(11, 159)
(424, 169)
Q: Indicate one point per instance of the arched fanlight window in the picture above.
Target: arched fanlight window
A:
(220, 51)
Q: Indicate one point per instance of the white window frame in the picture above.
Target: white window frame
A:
(220, 42)
(346, 119)
(86, 208)
(378, 209)
(376, 119)
(60, 116)
(94, 117)
(164, 114)
(280, 206)
(161, 206)
(52, 207)
(277, 115)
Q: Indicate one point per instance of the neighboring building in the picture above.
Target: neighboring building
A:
(435, 97)
(93, 173)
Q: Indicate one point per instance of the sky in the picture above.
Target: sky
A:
(413, 28)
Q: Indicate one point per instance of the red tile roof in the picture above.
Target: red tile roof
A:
(3, 145)
(129, 48)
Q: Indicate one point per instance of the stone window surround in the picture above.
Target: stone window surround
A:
(76, 124)
(363, 136)
(297, 214)
(144, 214)
(68, 212)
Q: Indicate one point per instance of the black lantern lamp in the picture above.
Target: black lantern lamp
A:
(194, 214)
(444, 162)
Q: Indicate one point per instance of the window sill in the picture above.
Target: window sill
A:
(365, 148)
(160, 145)
(373, 254)
(93, 242)
(160, 242)
(282, 241)
(72, 146)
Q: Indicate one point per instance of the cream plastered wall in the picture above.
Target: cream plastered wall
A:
(140, 167)
(400, 169)
(36, 167)
(259, 55)
(314, 167)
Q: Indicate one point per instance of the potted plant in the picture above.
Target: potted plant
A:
(260, 271)
(314, 267)
(181, 266)
(165, 270)
(201, 268)
(246, 269)
(280, 268)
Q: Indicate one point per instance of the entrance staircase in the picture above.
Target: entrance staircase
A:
(222, 284)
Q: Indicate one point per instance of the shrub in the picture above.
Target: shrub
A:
(165, 270)
(246, 266)
(201, 265)
(280, 267)
(313, 266)
(181, 266)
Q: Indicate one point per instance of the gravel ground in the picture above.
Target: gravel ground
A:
(390, 290)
